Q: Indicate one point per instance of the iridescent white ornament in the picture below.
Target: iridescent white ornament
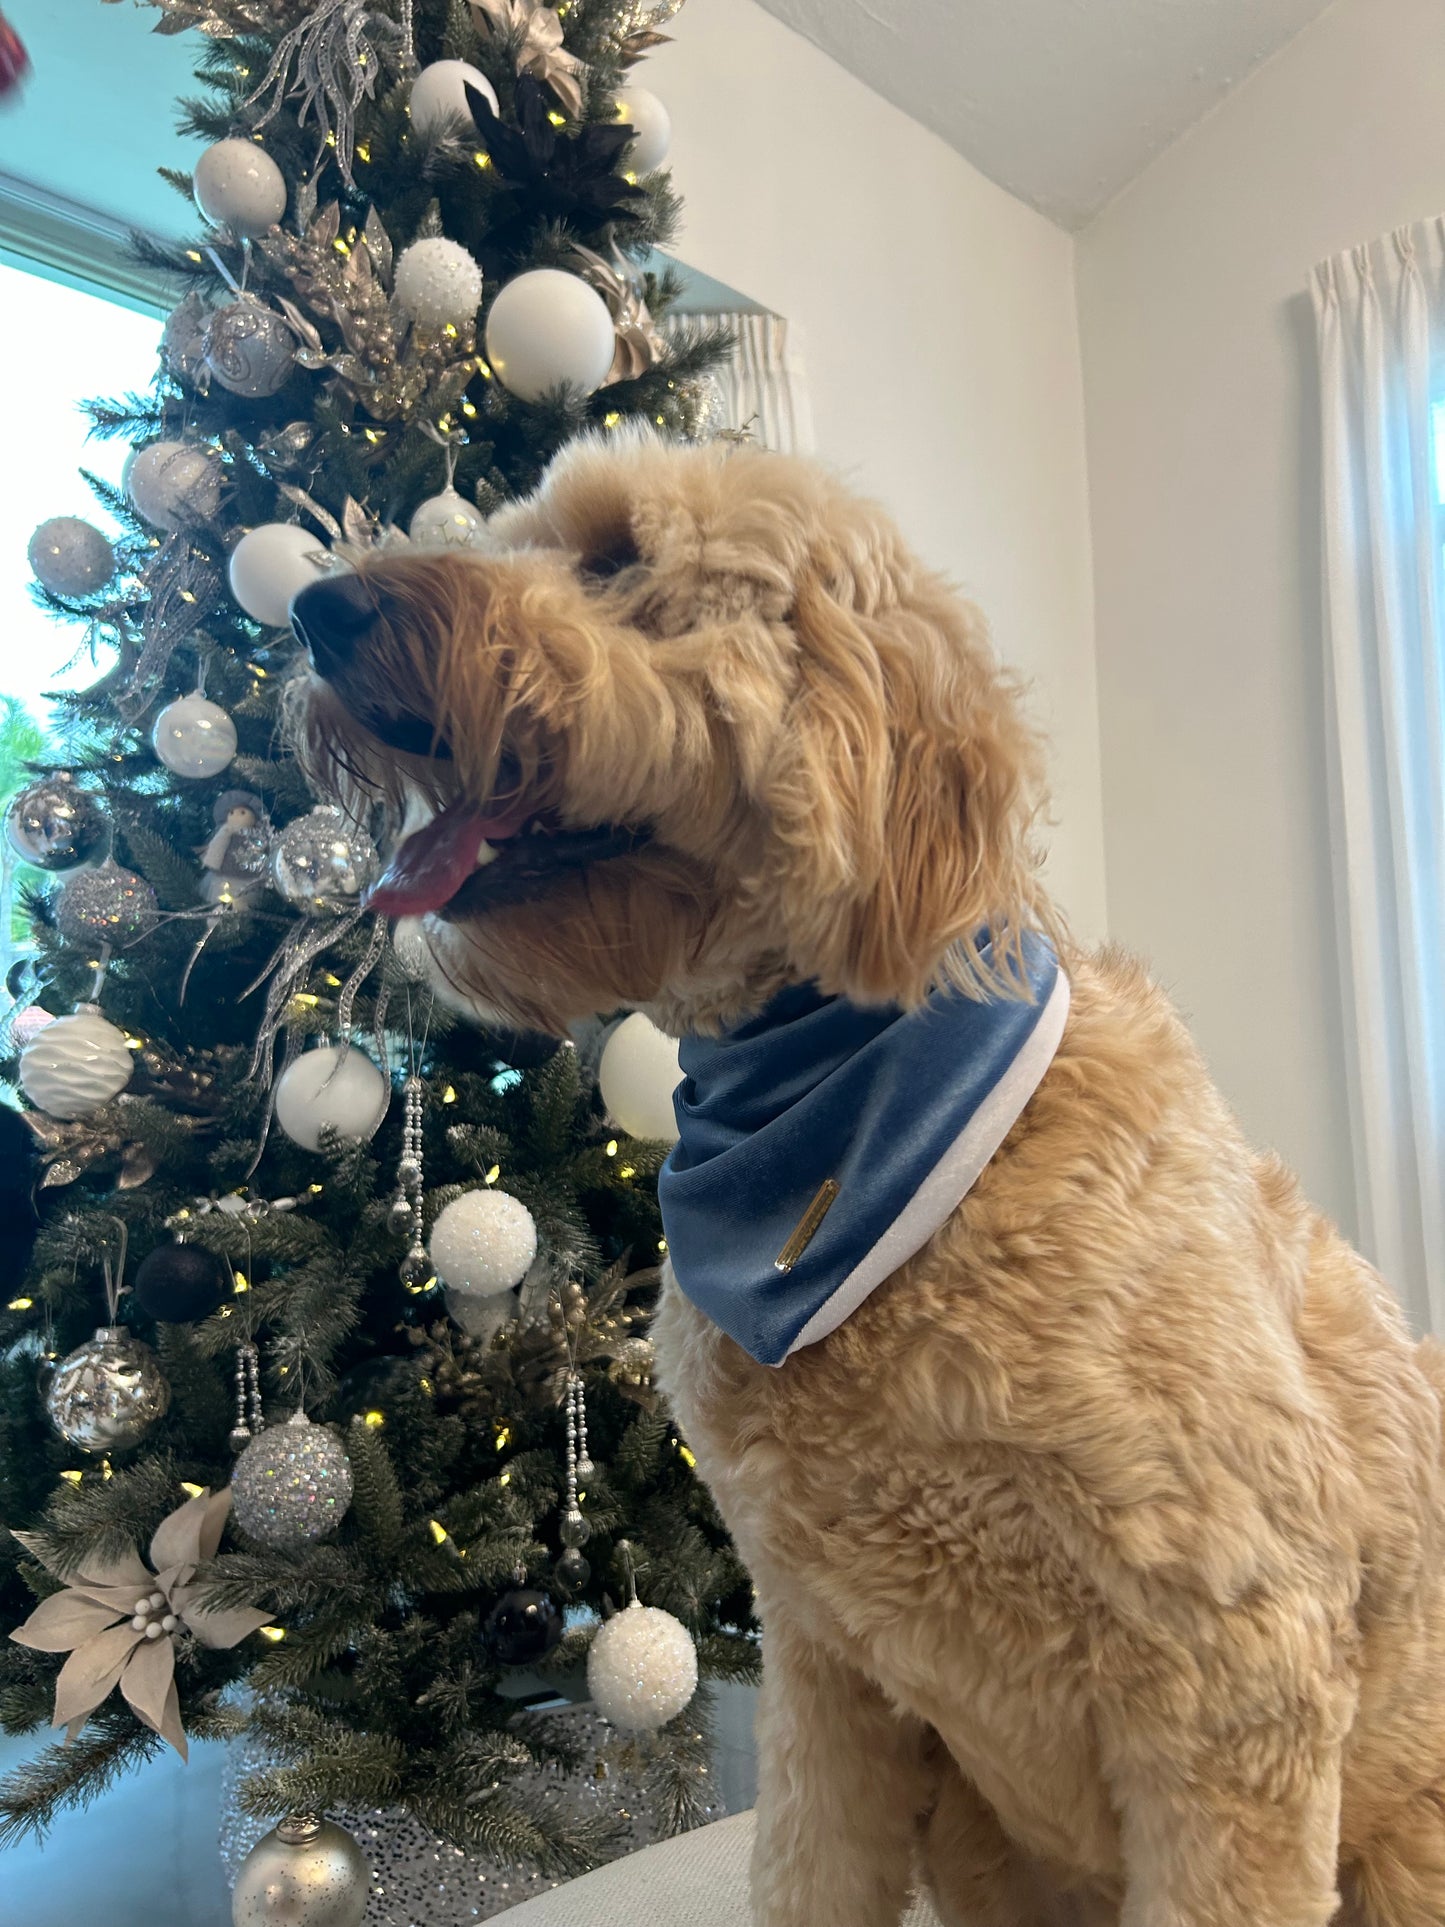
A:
(55, 824)
(323, 861)
(109, 904)
(271, 564)
(483, 1243)
(439, 96)
(292, 1485)
(194, 737)
(438, 283)
(637, 1076)
(75, 1065)
(330, 1088)
(108, 1393)
(641, 1668)
(448, 521)
(642, 110)
(71, 557)
(173, 482)
(549, 329)
(238, 185)
(249, 349)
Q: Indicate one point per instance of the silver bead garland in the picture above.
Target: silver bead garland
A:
(248, 1397)
(416, 1270)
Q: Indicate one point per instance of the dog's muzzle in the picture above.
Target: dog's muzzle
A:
(329, 619)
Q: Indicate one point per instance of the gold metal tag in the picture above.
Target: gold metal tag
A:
(808, 1225)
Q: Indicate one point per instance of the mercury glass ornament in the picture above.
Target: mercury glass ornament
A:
(75, 1065)
(550, 329)
(323, 861)
(331, 1088)
(107, 1394)
(439, 284)
(106, 905)
(173, 482)
(194, 737)
(55, 824)
(292, 1485)
(641, 1668)
(483, 1243)
(448, 521)
(238, 185)
(307, 1872)
(71, 557)
(249, 348)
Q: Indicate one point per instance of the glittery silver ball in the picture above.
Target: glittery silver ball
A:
(322, 862)
(249, 348)
(55, 824)
(108, 1393)
(302, 1874)
(106, 905)
(641, 1669)
(292, 1485)
(71, 557)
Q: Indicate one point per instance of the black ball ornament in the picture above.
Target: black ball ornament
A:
(179, 1284)
(522, 1627)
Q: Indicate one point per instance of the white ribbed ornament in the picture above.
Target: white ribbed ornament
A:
(75, 1065)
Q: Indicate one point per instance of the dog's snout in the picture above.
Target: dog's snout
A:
(331, 617)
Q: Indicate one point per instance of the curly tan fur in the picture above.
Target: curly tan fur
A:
(1099, 1553)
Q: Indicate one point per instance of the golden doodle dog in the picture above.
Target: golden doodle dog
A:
(1099, 1546)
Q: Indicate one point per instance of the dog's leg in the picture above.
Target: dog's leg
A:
(842, 1783)
(1399, 1879)
(976, 1875)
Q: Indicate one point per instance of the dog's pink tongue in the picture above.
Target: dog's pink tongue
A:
(433, 863)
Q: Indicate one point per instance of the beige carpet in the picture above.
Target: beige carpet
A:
(700, 1880)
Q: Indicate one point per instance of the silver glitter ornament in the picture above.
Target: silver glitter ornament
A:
(55, 824)
(322, 862)
(108, 1393)
(105, 905)
(71, 557)
(249, 349)
(183, 340)
(292, 1485)
(307, 1872)
(641, 1668)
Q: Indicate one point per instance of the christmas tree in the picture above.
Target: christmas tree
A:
(296, 1221)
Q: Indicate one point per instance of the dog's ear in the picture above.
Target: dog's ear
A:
(904, 789)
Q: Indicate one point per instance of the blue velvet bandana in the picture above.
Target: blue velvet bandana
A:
(822, 1145)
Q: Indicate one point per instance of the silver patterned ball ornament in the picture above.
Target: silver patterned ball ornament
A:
(323, 861)
(194, 737)
(75, 1065)
(641, 1668)
(105, 905)
(307, 1872)
(107, 1394)
(55, 824)
(249, 349)
(71, 557)
(292, 1485)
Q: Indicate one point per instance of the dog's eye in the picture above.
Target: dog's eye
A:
(603, 560)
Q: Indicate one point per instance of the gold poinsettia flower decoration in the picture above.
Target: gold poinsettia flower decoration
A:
(119, 1620)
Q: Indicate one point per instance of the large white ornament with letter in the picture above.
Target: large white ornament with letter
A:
(273, 563)
(549, 329)
(330, 1087)
(638, 1074)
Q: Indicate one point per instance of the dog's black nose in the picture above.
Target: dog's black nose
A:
(330, 618)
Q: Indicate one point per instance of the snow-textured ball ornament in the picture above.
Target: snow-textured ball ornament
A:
(448, 521)
(483, 1243)
(249, 349)
(75, 1065)
(549, 329)
(55, 824)
(306, 1872)
(641, 1668)
(336, 1088)
(194, 737)
(439, 96)
(109, 904)
(108, 1393)
(238, 185)
(71, 557)
(322, 862)
(292, 1485)
(271, 564)
(439, 284)
(637, 1076)
(643, 111)
(169, 483)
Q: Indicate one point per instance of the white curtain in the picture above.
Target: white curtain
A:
(764, 388)
(1381, 318)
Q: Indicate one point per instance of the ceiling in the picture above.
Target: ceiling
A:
(1062, 102)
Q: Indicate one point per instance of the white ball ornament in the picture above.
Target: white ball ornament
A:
(75, 1065)
(640, 108)
(273, 563)
(173, 482)
(637, 1076)
(71, 557)
(438, 283)
(549, 329)
(448, 521)
(439, 95)
(238, 185)
(332, 1087)
(483, 1243)
(194, 737)
(641, 1668)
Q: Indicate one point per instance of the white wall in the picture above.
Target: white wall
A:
(942, 347)
(1199, 380)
